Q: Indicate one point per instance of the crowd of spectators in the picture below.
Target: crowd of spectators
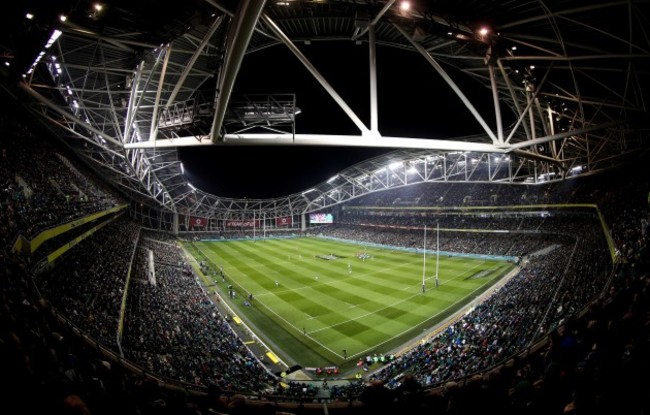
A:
(596, 321)
(581, 322)
(513, 245)
(460, 194)
(39, 187)
(87, 284)
(549, 287)
(172, 328)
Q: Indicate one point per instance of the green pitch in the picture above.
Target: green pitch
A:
(314, 298)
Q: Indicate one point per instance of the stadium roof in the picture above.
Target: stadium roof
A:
(126, 84)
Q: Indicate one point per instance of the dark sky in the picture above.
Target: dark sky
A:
(268, 171)
(413, 102)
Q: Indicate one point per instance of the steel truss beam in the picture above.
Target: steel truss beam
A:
(568, 87)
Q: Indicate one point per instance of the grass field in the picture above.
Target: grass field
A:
(313, 298)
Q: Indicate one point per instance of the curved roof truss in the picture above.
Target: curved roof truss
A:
(567, 81)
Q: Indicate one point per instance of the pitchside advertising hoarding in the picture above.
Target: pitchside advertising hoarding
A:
(243, 223)
(284, 221)
(257, 223)
(198, 222)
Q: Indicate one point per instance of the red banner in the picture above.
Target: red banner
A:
(284, 221)
(198, 222)
(243, 223)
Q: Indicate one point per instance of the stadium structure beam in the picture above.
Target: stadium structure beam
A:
(562, 135)
(190, 65)
(445, 76)
(555, 123)
(22, 85)
(312, 69)
(376, 19)
(154, 117)
(241, 31)
(323, 140)
(372, 56)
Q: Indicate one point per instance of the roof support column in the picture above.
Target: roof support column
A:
(373, 80)
(495, 96)
(241, 30)
(163, 71)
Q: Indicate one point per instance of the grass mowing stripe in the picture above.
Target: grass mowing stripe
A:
(288, 295)
(335, 305)
(392, 312)
(310, 307)
(370, 284)
(316, 312)
(295, 328)
(296, 293)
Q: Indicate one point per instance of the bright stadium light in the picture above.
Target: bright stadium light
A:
(55, 35)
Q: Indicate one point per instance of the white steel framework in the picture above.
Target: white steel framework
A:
(567, 79)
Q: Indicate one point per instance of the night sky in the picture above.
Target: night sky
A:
(413, 102)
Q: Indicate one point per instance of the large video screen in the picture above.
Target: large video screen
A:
(321, 218)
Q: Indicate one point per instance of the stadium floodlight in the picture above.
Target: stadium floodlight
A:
(331, 179)
(308, 191)
(191, 186)
(395, 165)
(53, 38)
